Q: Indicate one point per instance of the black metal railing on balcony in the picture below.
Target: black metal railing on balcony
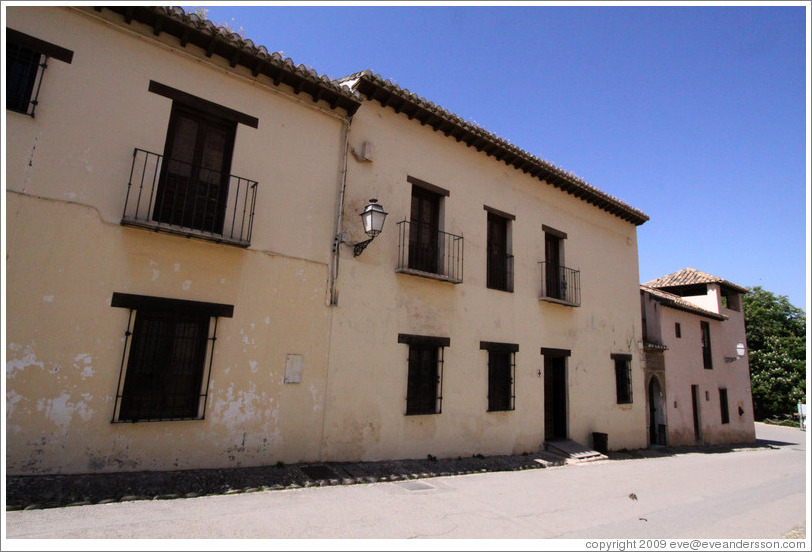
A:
(424, 250)
(195, 201)
(560, 284)
(500, 272)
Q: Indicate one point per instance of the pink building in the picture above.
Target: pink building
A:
(695, 354)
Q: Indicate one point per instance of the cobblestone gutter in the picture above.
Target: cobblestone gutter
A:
(54, 491)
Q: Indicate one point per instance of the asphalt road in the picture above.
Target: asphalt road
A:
(750, 493)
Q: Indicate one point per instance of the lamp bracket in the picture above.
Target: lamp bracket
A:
(360, 246)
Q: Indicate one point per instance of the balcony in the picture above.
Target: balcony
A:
(500, 272)
(189, 200)
(560, 284)
(428, 252)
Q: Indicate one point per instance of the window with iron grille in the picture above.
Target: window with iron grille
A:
(707, 357)
(501, 375)
(723, 406)
(167, 358)
(26, 60)
(623, 378)
(424, 390)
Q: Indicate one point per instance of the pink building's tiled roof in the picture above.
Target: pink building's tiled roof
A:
(676, 302)
(689, 276)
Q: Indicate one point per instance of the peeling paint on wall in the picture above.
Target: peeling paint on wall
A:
(12, 400)
(84, 362)
(244, 408)
(29, 358)
(314, 393)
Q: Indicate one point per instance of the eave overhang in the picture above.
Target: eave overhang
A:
(190, 29)
(373, 87)
(678, 303)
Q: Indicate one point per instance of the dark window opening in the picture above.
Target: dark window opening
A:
(424, 230)
(425, 376)
(730, 299)
(501, 375)
(164, 373)
(499, 261)
(559, 283)
(623, 378)
(26, 61)
(707, 357)
(723, 406)
(677, 330)
(556, 284)
(22, 67)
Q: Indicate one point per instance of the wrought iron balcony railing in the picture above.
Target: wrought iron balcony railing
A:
(426, 251)
(500, 272)
(560, 284)
(194, 201)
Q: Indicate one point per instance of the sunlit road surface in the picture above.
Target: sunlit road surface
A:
(757, 492)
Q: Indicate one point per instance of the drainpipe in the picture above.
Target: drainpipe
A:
(337, 239)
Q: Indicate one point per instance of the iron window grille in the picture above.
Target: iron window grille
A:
(26, 60)
(424, 390)
(501, 375)
(560, 284)
(167, 358)
(424, 250)
(220, 210)
(623, 378)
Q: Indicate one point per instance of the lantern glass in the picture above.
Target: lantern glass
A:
(373, 218)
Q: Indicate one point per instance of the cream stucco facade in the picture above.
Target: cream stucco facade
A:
(307, 356)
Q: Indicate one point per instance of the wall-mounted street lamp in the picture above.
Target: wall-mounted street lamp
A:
(373, 217)
(740, 350)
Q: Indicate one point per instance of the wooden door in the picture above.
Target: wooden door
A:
(424, 230)
(555, 398)
(193, 188)
(552, 258)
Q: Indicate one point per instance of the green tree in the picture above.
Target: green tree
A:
(776, 337)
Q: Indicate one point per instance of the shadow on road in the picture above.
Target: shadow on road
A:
(52, 491)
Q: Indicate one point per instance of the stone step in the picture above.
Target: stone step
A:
(574, 450)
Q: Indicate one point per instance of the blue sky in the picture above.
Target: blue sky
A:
(694, 114)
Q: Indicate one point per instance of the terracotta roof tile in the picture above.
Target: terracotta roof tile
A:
(689, 276)
(346, 93)
(375, 87)
(215, 40)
